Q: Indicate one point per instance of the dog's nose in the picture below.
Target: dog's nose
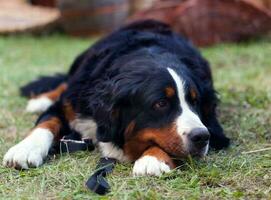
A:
(199, 137)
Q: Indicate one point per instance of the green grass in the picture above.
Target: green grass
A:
(242, 76)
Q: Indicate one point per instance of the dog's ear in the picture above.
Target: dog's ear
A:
(116, 97)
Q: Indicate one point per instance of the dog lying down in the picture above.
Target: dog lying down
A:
(144, 94)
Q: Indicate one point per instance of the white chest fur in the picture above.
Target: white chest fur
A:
(86, 127)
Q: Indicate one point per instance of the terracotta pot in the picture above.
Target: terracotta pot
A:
(85, 17)
(47, 3)
(207, 22)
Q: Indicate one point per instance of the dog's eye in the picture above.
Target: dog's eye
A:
(161, 104)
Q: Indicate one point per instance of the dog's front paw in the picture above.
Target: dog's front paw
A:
(150, 165)
(23, 156)
(31, 151)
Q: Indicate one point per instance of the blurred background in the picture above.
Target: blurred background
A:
(42, 37)
(205, 22)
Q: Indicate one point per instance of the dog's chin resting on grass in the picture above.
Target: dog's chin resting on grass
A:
(143, 94)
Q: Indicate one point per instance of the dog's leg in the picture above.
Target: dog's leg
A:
(218, 140)
(31, 151)
(43, 101)
(154, 161)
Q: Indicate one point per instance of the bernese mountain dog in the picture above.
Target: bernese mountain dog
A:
(144, 94)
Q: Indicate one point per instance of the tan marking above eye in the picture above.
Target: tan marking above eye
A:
(193, 93)
(170, 92)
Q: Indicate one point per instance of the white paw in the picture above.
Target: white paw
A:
(39, 104)
(23, 156)
(31, 151)
(149, 165)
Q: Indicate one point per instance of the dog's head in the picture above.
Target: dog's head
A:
(153, 101)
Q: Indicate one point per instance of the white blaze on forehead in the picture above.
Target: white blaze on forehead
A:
(187, 120)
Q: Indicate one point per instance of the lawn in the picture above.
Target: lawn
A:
(242, 76)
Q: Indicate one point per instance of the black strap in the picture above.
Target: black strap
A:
(72, 143)
(68, 145)
(97, 182)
